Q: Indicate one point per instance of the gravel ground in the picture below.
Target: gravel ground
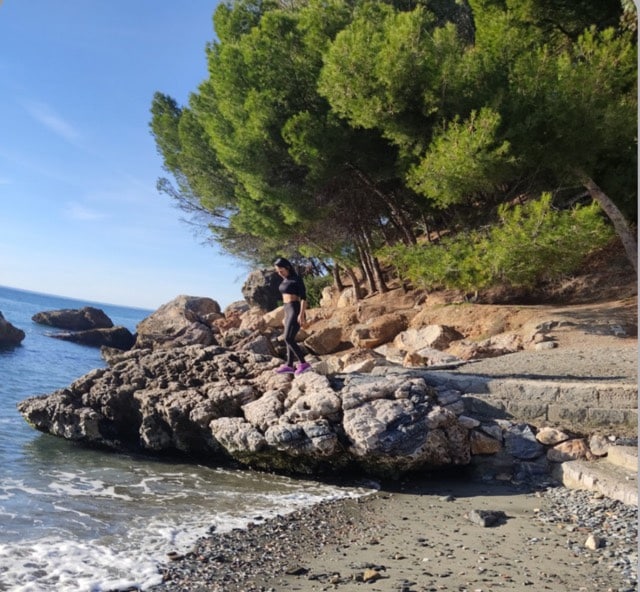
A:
(589, 362)
(425, 536)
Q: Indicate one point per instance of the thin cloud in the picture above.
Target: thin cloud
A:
(45, 115)
(77, 211)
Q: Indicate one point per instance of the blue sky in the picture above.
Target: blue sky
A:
(80, 213)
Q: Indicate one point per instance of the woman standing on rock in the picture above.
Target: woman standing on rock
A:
(294, 297)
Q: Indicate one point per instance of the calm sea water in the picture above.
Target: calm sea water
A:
(74, 519)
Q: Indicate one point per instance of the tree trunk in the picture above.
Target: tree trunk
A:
(374, 264)
(622, 227)
(379, 275)
(337, 280)
(357, 292)
(365, 263)
(395, 212)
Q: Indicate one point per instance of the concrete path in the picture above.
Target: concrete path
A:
(599, 364)
(587, 389)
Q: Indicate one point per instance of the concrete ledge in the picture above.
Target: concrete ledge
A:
(578, 405)
(600, 475)
(598, 393)
(624, 456)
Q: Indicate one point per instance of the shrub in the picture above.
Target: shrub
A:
(314, 286)
(529, 244)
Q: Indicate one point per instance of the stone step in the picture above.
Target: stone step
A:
(581, 406)
(600, 475)
(623, 456)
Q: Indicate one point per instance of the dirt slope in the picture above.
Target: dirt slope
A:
(598, 307)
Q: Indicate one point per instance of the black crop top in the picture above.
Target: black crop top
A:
(293, 285)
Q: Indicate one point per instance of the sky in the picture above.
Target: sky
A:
(80, 215)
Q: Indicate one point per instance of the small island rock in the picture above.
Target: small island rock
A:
(70, 319)
(9, 335)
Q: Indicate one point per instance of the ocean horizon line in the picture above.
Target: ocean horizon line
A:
(85, 301)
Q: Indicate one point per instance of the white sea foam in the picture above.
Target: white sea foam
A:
(10, 487)
(57, 564)
(88, 488)
(78, 520)
(94, 550)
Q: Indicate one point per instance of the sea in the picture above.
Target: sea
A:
(77, 519)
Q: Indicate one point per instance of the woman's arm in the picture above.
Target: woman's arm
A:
(302, 317)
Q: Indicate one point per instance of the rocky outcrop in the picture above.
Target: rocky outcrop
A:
(186, 320)
(222, 405)
(201, 382)
(260, 289)
(9, 335)
(116, 337)
(70, 319)
(87, 326)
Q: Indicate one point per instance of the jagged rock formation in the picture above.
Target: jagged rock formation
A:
(222, 405)
(186, 320)
(260, 289)
(116, 337)
(9, 335)
(86, 326)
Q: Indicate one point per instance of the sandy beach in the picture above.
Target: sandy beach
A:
(429, 533)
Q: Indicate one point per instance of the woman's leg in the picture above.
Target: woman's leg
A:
(291, 328)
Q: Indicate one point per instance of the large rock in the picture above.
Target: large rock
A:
(273, 319)
(576, 449)
(347, 298)
(232, 318)
(495, 346)
(378, 330)
(312, 442)
(432, 336)
(396, 425)
(327, 340)
(9, 335)
(260, 289)
(311, 399)
(329, 296)
(521, 443)
(70, 319)
(116, 337)
(422, 346)
(186, 320)
(210, 402)
(428, 356)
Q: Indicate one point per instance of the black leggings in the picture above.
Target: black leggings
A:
(291, 328)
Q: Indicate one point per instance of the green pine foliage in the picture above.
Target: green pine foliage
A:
(466, 158)
(334, 127)
(531, 243)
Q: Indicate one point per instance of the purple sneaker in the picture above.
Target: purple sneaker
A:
(302, 368)
(284, 369)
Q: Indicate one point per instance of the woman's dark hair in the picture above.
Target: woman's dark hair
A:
(282, 262)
